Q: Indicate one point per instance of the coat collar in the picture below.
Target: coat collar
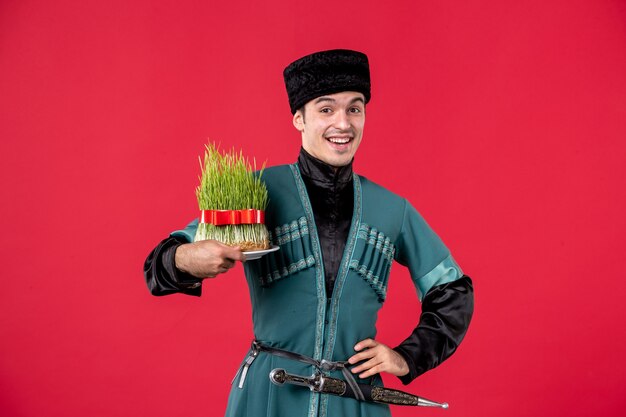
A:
(323, 173)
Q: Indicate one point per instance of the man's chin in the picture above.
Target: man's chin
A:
(338, 162)
(332, 157)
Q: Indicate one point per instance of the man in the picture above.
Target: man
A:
(315, 301)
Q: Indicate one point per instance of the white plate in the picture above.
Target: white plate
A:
(256, 254)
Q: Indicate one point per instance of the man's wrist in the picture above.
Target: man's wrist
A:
(179, 273)
(409, 376)
(179, 257)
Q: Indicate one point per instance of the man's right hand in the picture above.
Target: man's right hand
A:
(206, 258)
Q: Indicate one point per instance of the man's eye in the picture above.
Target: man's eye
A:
(355, 110)
(325, 110)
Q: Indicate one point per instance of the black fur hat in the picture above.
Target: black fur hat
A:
(326, 72)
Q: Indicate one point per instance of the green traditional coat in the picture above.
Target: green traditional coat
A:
(290, 309)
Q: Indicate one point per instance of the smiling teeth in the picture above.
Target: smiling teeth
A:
(339, 140)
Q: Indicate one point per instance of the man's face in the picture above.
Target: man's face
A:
(332, 126)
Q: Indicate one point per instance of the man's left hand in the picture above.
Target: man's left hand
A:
(378, 358)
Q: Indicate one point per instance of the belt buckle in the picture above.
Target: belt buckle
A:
(331, 366)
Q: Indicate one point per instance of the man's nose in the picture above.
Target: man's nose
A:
(342, 121)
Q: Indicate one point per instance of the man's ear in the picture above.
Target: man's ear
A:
(298, 120)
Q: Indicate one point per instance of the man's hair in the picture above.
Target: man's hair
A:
(301, 110)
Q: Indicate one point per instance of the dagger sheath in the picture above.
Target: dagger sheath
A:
(328, 385)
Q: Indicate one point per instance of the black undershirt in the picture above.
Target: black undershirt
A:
(331, 194)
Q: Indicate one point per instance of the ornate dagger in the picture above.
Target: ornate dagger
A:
(327, 385)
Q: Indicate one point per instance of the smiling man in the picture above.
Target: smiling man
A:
(315, 301)
(335, 127)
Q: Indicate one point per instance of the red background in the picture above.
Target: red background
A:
(503, 122)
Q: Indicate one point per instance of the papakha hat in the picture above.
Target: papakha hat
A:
(326, 72)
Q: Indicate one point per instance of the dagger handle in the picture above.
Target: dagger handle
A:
(281, 377)
(317, 382)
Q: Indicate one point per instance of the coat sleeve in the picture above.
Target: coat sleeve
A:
(161, 274)
(446, 313)
(446, 294)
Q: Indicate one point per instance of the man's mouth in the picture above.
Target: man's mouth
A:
(339, 141)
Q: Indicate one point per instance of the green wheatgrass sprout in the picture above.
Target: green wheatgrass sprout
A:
(227, 182)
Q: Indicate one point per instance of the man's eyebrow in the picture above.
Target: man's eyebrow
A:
(321, 99)
(354, 100)
(332, 100)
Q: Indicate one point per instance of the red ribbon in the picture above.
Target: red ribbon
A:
(224, 217)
